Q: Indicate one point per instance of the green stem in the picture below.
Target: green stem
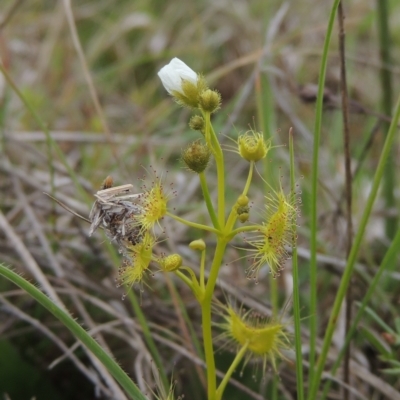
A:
(202, 269)
(313, 227)
(207, 199)
(219, 161)
(296, 285)
(249, 178)
(247, 228)
(389, 182)
(216, 264)
(116, 371)
(148, 338)
(235, 362)
(192, 224)
(273, 295)
(185, 279)
(354, 252)
(208, 349)
(233, 214)
(206, 317)
(385, 265)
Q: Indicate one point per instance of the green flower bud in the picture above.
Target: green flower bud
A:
(171, 262)
(243, 217)
(243, 200)
(243, 210)
(197, 123)
(196, 156)
(198, 244)
(210, 101)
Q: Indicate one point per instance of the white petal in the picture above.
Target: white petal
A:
(172, 74)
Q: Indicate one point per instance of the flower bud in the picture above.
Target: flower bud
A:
(197, 123)
(243, 213)
(171, 263)
(242, 200)
(198, 244)
(182, 83)
(252, 146)
(243, 217)
(196, 156)
(210, 101)
(174, 74)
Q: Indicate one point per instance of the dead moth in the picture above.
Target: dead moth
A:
(115, 211)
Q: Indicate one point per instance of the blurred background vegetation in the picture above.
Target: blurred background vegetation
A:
(264, 58)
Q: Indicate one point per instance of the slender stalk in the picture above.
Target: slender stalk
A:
(354, 252)
(314, 181)
(206, 318)
(208, 349)
(148, 338)
(219, 161)
(233, 214)
(273, 287)
(235, 362)
(385, 265)
(207, 199)
(192, 224)
(389, 182)
(347, 166)
(116, 371)
(249, 178)
(247, 228)
(296, 285)
(43, 126)
(202, 268)
(185, 279)
(49, 139)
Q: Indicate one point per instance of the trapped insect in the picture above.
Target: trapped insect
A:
(115, 211)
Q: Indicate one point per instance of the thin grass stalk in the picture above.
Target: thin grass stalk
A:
(38, 120)
(347, 166)
(148, 338)
(193, 334)
(264, 117)
(296, 285)
(49, 138)
(385, 266)
(183, 324)
(354, 252)
(92, 90)
(314, 181)
(389, 182)
(265, 112)
(112, 366)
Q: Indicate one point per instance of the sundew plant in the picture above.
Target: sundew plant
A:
(204, 251)
(130, 220)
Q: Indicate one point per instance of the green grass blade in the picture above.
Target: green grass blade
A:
(296, 286)
(314, 197)
(116, 371)
(389, 181)
(354, 252)
(385, 265)
(147, 337)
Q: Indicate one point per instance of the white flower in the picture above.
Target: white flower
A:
(172, 75)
